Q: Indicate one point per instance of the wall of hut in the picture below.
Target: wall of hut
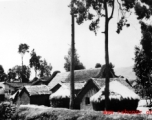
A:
(85, 104)
(40, 100)
(23, 98)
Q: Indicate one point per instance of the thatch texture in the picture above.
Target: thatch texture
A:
(121, 97)
(60, 98)
(80, 75)
(101, 82)
(62, 92)
(37, 90)
(16, 84)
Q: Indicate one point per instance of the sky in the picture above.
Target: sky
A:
(45, 25)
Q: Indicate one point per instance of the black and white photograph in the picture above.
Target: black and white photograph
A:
(75, 59)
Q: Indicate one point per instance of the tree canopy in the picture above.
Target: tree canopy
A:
(143, 54)
(20, 73)
(94, 10)
(98, 65)
(35, 61)
(45, 69)
(3, 76)
(23, 48)
(77, 64)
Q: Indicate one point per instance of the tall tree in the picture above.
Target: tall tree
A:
(23, 48)
(35, 61)
(102, 8)
(77, 64)
(45, 69)
(143, 60)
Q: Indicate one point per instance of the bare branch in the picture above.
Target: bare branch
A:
(119, 5)
(113, 6)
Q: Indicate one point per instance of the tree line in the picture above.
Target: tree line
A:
(22, 72)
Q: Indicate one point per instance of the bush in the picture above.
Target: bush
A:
(48, 113)
(7, 110)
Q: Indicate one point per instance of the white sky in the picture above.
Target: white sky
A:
(45, 25)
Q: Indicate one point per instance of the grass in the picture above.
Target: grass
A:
(48, 113)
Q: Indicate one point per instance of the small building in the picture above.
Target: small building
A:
(61, 94)
(12, 87)
(121, 98)
(81, 75)
(60, 98)
(83, 98)
(38, 95)
(44, 80)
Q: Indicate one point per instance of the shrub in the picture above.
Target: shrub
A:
(7, 110)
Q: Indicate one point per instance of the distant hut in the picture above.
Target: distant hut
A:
(37, 94)
(121, 98)
(79, 76)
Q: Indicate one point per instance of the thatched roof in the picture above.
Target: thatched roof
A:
(80, 75)
(45, 80)
(77, 85)
(64, 89)
(37, 90)
(101, 82)
(117, 91)
(62, 92)
(16, 84)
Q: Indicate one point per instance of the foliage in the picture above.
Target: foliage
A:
(94, 10)
(20, 72)
(31, 112)
(35, 61)
(143, 9)
(143, 61)
(7, 110)
(23, 48)
(98, 65)
(83, 9)
(45, 69)
(77, 64)
(3, 76)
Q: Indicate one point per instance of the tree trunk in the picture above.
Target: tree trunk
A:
(71, 104)
(35, 73)
(106, 58)
(22, 70)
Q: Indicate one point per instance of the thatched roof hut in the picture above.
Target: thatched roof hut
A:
(37, 94)
(121, 98)
(62, 92)
(61, 97)
(79, 76)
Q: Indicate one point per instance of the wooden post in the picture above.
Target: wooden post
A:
(71, 104)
